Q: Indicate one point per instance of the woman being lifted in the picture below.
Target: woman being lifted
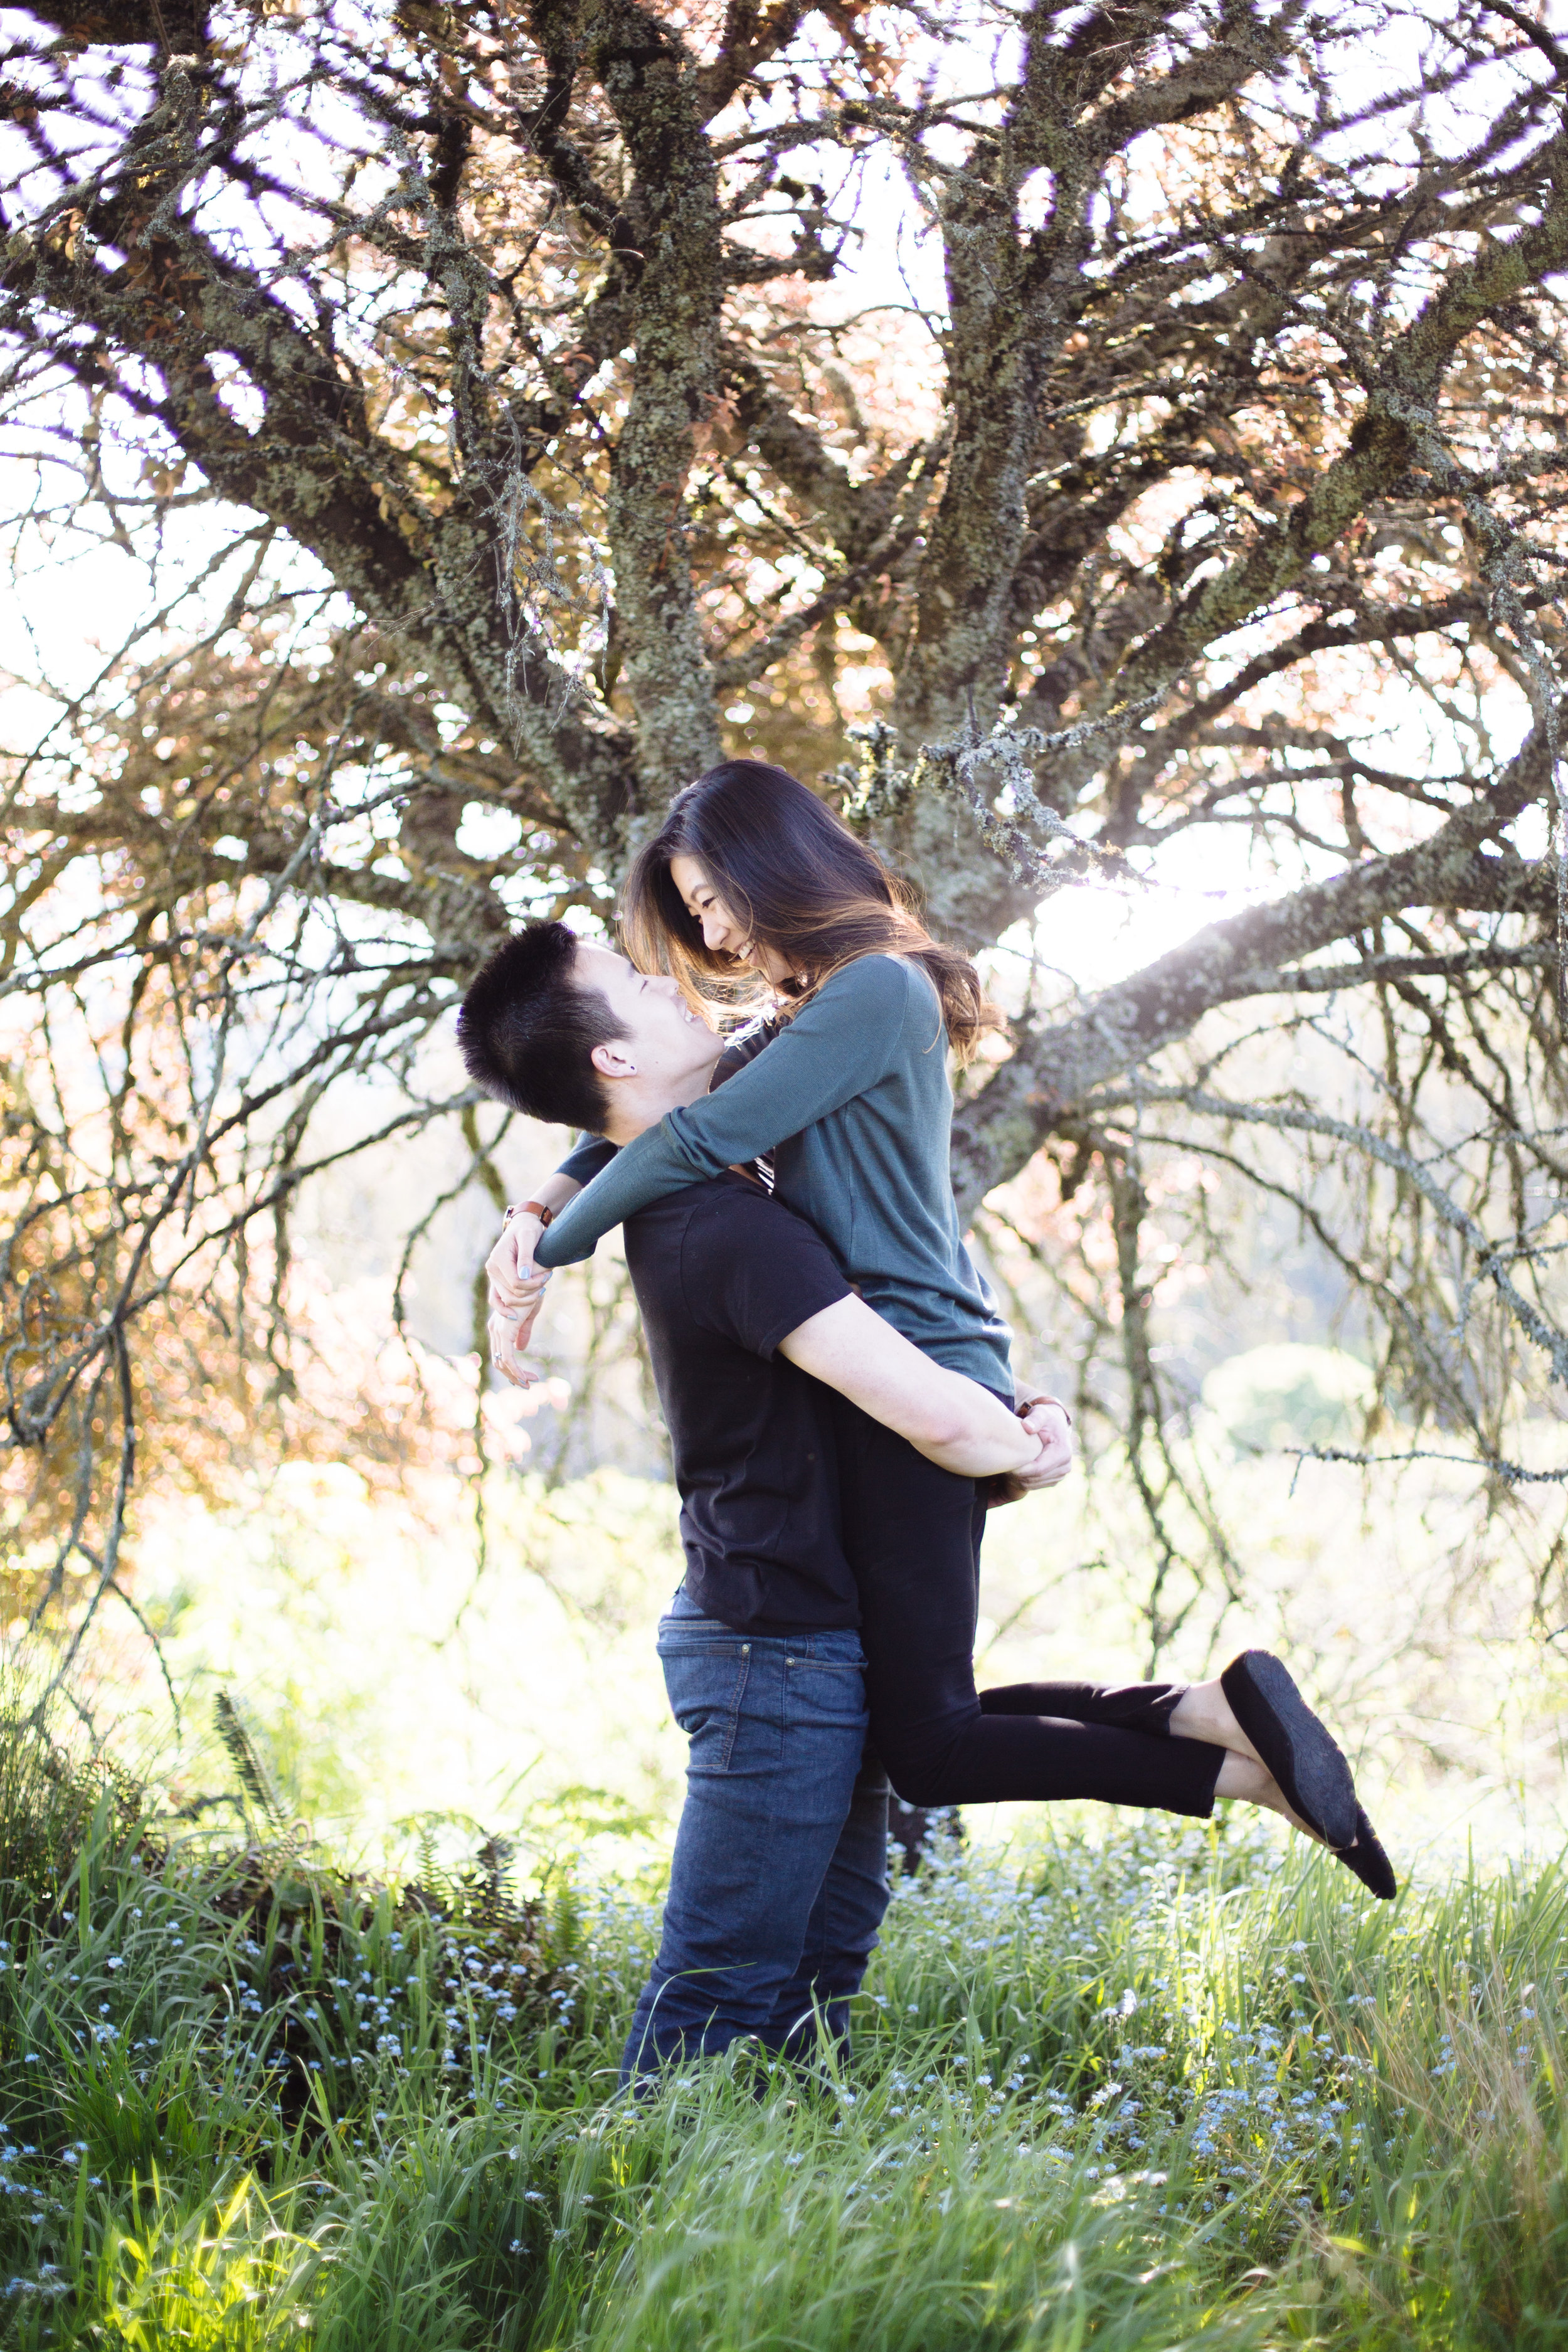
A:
(755, 890)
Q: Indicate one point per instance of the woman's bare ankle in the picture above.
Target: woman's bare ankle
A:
(1242, 1779)
(1203, 1712)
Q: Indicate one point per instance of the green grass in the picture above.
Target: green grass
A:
(1168, 2087)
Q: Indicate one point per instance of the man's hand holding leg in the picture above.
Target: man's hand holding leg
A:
(1046, 1418)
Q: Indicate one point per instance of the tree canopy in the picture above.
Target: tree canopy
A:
(1075, 437)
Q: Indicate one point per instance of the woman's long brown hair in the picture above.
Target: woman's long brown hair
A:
(792, 871)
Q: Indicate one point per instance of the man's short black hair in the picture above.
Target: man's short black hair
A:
(526, 1030)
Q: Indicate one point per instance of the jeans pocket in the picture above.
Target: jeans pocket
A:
(829, 1693)
(706, 1681)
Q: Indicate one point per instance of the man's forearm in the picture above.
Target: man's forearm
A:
(988, 1439)
(954, 1421)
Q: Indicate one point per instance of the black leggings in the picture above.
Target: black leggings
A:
(912, 1535)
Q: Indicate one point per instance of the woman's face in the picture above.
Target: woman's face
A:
(723, 933)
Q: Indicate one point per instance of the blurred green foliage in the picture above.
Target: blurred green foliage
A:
(1290, 1394)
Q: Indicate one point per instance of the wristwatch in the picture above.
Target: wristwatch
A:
(1026, 1405)
(528, 1209)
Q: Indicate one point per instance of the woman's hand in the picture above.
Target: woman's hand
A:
(508, 1337)
(1046, 1418)
(516, 1291)
(516, 1283)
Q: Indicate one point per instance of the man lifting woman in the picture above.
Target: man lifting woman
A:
(837, 1385)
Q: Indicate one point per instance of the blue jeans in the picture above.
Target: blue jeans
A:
(780, 1875)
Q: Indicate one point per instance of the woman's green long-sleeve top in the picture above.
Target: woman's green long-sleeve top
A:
(853, 1101)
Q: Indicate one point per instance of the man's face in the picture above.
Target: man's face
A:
(667, 1045)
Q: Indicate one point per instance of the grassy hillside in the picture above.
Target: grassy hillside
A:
(1170, 2088)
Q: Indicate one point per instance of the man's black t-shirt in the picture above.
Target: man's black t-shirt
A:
(722, 1273)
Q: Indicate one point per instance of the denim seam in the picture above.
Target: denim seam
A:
(741, 1670)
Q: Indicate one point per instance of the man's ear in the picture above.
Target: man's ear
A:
(611, 1063)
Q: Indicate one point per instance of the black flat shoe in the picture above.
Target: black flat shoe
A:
(1368, 1860)
(1295, 1746)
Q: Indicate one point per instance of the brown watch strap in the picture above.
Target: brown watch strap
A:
(1028, 1404)
(530, 1209)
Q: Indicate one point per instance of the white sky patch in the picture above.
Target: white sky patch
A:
(485, 832)
(1095, 935)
